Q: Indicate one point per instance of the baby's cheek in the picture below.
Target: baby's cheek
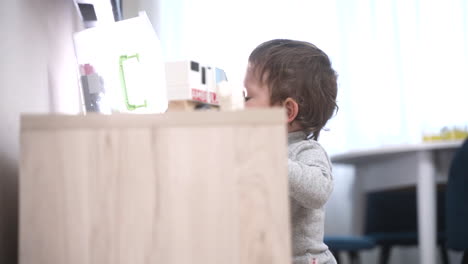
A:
(252, 103)
(257, 103)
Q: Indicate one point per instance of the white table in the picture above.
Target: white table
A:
(422, 164)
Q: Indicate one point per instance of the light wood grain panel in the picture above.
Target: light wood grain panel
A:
(164, 194)
(250, 117)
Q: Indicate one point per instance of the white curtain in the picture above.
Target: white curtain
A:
(402, 64)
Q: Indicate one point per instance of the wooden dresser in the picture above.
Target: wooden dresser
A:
(194, 188)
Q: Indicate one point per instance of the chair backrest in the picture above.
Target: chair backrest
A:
(395, 211)
(457, 201)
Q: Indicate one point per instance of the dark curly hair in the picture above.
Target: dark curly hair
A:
(299, 70)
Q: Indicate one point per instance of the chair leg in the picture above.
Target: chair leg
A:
(444, 255)
(354, 257)
(336, 254)
(385, 254)
(465, 257)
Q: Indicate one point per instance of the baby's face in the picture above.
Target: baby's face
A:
(258, 94)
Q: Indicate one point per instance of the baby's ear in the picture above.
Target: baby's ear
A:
(292, 109)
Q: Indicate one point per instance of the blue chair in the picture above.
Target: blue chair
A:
(350, 244)
(390, 220)
(457, 203)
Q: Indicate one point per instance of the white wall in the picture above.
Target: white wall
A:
(170, 19)
(37, 75)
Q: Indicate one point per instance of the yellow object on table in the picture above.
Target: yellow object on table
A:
(447, 134)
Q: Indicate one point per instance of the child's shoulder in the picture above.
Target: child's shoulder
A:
(306, 145)
(301, 146)
(309, 152)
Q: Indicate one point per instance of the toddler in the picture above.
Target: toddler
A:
(298, 76)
